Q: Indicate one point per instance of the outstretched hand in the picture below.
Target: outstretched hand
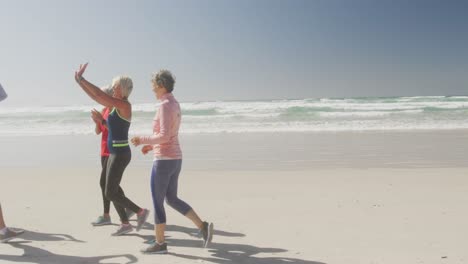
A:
(146, 148)
(81, 70)
(136, 141)
(96, 116)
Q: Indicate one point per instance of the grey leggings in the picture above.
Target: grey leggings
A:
(164, 183)
(116, 165)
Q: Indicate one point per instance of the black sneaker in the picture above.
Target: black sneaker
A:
(207, 233)
(155, 248)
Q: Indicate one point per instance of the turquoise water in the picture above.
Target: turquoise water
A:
(301, 115)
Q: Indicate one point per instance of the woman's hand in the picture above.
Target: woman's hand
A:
(79, 73)
(136, 141)
(96, 116)
(146, 148)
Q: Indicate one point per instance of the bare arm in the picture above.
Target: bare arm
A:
(98, 118)
(101, 97)
(97, 129)
(97, 94)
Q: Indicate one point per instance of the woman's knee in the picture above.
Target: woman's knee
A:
(110, 194)
(173, 201)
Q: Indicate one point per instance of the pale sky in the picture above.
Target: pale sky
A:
(235, 50)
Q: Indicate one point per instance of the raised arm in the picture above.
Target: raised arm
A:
(97, 94)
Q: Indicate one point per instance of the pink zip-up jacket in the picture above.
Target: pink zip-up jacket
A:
(166, 123)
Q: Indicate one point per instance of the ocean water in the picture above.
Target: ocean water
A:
(305, 115)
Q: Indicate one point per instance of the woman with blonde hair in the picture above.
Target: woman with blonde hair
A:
(101, 129)
(118, 124)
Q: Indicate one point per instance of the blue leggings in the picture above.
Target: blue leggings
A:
(164, 182)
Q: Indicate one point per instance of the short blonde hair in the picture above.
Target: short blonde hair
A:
(126, 84)
(108, 90)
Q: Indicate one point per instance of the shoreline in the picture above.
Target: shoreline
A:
(262, 151)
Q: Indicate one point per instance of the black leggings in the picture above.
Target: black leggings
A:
(116, 165)
(102, 183)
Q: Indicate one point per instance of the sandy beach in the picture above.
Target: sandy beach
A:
(312, 132)
(370, 197)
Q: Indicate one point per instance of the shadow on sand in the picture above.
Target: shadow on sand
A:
(42, 256)
(223, 253)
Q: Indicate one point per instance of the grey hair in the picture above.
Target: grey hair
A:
(164, 78)
(108, 90)
(126, 84)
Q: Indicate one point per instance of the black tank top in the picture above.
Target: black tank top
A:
(117, 140)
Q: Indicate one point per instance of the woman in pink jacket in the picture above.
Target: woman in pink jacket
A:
(167, 163)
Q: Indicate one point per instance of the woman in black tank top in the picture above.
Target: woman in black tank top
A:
(118, 124)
